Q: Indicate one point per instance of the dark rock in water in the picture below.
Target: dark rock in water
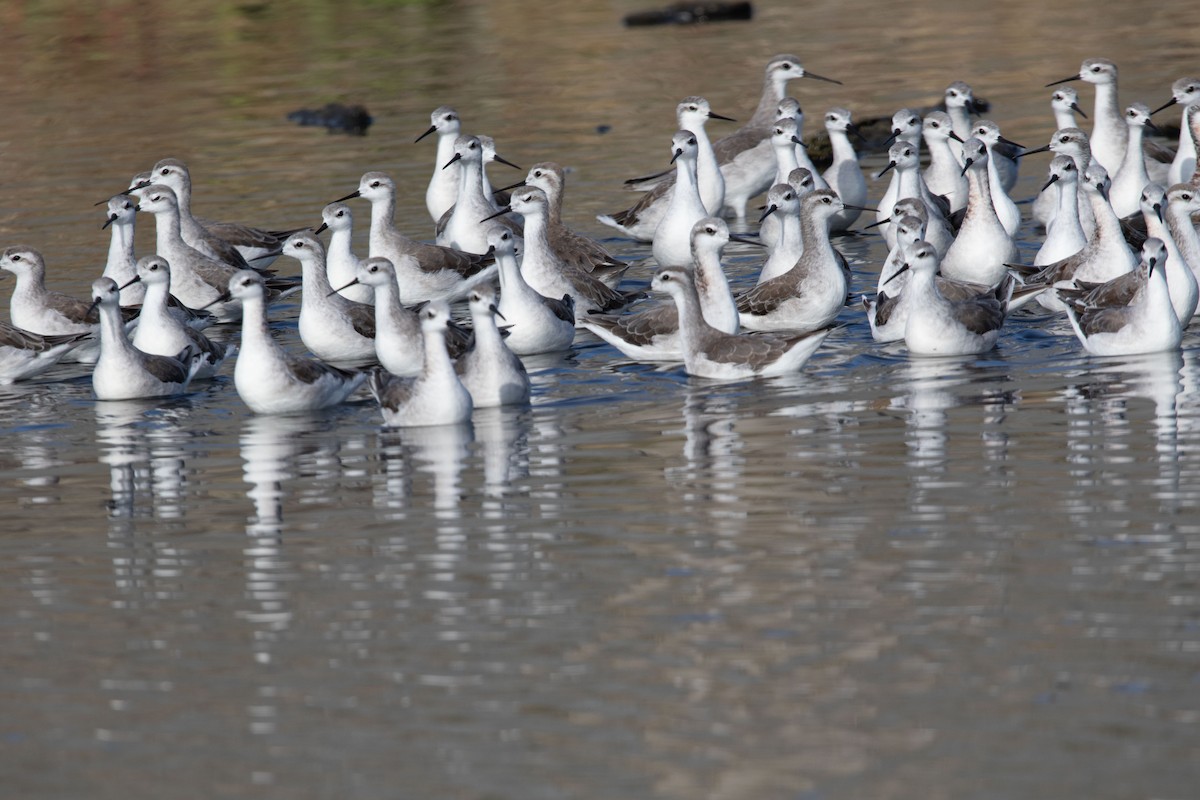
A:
(335, 117)
(690, 13)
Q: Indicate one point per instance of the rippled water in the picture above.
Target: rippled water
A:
(881, 578)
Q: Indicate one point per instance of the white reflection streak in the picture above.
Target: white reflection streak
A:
(928, 399)
(144, 456)
(501, 435)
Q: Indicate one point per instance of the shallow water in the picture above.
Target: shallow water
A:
(882, 578)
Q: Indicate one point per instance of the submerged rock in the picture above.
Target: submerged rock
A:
(690, 13)
(336, 118)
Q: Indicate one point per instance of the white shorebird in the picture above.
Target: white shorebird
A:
(1132, 176)
(642, 220)
(36, 309)
(887, 312)
(652, 334)
(1064, 103)
(1105, 256)
(709, 353)
(462, 229)
(398, 344)
(906, 127)
(1002, 172)
(229, 242)
(160, 332)
(435, 396)
(809, 295)
(1109, 133)
(331, 327)
(121, 264)
(443, 186)
(1131, 314)
(433, 272)
(548, 274)
(959, 99)
(785, 143)
(571, 248)
(125, 373)
(1184, 92)
(902, 157)
(1181, 277)
(24, 354)
(341, 263)
(982, 247)
(1071, 142)
(783, 201)
(789, 109)
(492, 373)
(745, 156)
(944, 175)
(268, 379)
(1182, 203)
(1064, 235)
(672, 245)
(938, 326)
(536, 324)
(196, 280)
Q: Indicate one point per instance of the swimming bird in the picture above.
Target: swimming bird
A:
(125, 373)
(1071, 142)
(902, 157)
(783, 201)
(432, 272)
(443, 186)
(959, 99)
(789, 109)
(229, 242)
(1109, 133)
(435, 396)
(983, 247)
(1117, 319)
(36, 309)
(642, 220)
(938, 326)
(341, 263)
(1002, 172)
(1064, 235)
(1184, 92)
(809, 295)
(1132, 176)
(121, 264)
(906, 127)
(549, 275)
(161, 333)
(710, 353)
(270, 380)
(398, 344)
(1106, 254)
(490, 371)
(1064, 103)
(24, 354)
(745, 156)
(652, 333)
(1180, 274)
(535, 324)
(785, 143)
(1182, 202)
(462, 230)
(672, 238)
(944, 175)
(571, 248)
(331, 327)
(197, 280)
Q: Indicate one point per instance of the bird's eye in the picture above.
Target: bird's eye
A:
(1064, 139)
(153, 267)
(341, 213)
(785, 67)
(374, 184)
(16, 258)
(165, 171)
(788, 195)
(299, 245)
(1096, 68)
(826, 200)
(537, 173)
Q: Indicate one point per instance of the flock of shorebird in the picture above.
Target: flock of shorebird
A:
(950, 278)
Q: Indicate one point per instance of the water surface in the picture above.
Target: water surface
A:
(880, 578)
